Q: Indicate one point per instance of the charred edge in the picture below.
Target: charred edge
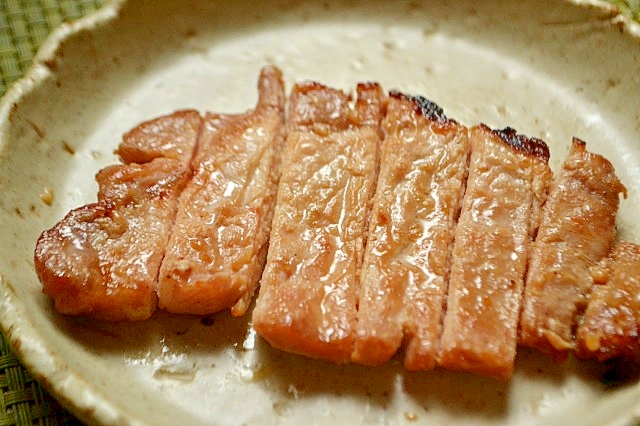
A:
(532, 146)
(424, 106)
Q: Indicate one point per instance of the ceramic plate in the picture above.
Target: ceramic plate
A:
(551, 69)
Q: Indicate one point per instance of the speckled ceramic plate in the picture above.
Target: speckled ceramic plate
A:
(551, 69)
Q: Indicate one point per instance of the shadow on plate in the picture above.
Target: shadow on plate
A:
(289, 378)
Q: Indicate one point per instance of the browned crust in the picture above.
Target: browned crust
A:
(423, 106)
(531, 146)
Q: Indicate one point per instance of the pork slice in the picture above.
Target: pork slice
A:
(169, 136)
(415, 208)
(611, 325)
(577, 231)
(507, 183)
(102, 259)
(308, 292)
(218, 244)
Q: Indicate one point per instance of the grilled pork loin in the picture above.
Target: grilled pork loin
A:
(406, 263)
(576, 232)
(218, 243)
(610, 327)
(102, 259)
(308, 294)
(391, 227)
(508, 175)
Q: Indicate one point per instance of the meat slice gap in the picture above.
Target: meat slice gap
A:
(102, 260)
(609, 329)
(406, 262)
(508, 178)
(577, 230)
(308, 292)
(218, 244)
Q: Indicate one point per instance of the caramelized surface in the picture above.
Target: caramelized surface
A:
(308, 293)
(102, 259)
(170, 136)
(577, 230)
(505, 189)
(406, 263)
(218, 244)
(611, 325)
(421, 241)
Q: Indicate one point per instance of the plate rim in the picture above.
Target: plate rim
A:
(74, 392)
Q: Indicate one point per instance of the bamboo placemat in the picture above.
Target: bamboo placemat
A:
(24, 24)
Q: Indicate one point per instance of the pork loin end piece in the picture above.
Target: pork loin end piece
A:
(611, 325)
(218, 244)
(69, 268)
(577, 230)
(308, 292)
(170, 136)
(507, 183)
(102, 259)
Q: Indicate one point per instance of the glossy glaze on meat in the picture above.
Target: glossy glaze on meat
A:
(611, 325)
(506, 186)
(576, 232)
(169, 136)
(406, 263)
(218, 244)
(388, 227)
(308, 294)
(102, 260)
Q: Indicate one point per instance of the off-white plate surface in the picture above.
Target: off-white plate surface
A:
(551, 69)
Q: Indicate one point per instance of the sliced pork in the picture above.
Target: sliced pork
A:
(405, 272)
(218, 244)
(611, 325)
(576, 232)
(102, 260)
(374, 224)
(508, 176)
(308, 293)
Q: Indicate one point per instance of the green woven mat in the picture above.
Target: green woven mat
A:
(22, 399)
(24, 24)
(630, 7)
